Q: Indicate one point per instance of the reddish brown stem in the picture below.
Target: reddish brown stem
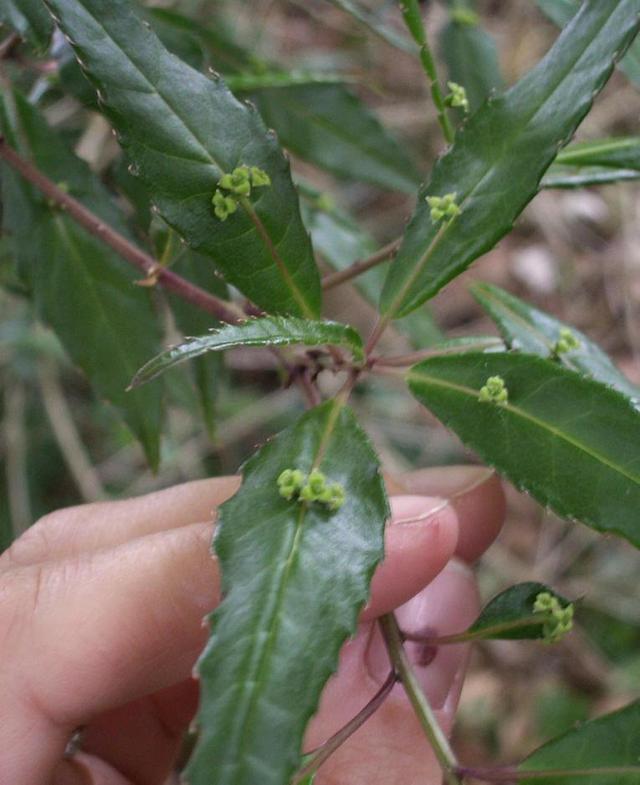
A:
(220, 309)
(357, 268)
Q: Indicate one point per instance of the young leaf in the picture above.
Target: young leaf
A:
(331, 127)
(595, 163)
(81, 288)
(472, 58)
(603, 751)
(267, 331)
(526, 328)
(510, 615)
(295, 576)
(498, 159)
(562, 11)
(571, 442)
(183, 131)
(29, 19)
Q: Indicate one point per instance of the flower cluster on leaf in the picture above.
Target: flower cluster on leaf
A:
(443, 208)
(294, 484)
(494, 391)
(567, 342)
(457, 97)
(558, 619)
(237, 185)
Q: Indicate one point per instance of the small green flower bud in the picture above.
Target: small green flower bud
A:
(457, 97)
(494, 391)
(443, 207)
(290, 482)
(259, 177)
(238, 181)
(558, 619)
(337, 496)
(223, 205)
(464, 16)
(567, 342)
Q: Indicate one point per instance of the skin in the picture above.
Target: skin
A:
(101, 621)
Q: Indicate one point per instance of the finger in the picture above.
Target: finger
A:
(391, 747)
(476, 495)
(119, 624)
(89, 527)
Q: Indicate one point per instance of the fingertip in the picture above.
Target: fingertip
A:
(419, 541)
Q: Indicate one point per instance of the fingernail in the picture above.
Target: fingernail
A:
(415, 509)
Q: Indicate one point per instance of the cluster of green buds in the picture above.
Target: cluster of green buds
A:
(293, 483)
(237, 185)
(567, 342)
(457, 97)
(464, 16)
(443, 207)
(494, 391)
(558, 619)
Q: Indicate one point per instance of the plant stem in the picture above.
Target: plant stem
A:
(413, 19)
(222, 310)
(319, 756)
(421, 706)
(359, 267)
(467, 636)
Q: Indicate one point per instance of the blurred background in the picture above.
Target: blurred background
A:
(574, 253)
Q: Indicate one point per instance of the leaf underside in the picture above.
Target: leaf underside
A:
(530, 330)
(181, 131)
(499, 157)
(267, 331)
(572, 442)
(294, 580)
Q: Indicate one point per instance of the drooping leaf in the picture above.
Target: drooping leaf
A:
(510, 615)
(182, 131)
(266, 331)
(472, 59)
(499, 156)
(595, 163)
(294, 579)
(530, 330)
(561, 12)
(331, 127)
(29, 19)
(81, 288)
(376, 25)
(572, 442)
(603, 751)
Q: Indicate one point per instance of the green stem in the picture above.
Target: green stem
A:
(469, 635)
(421, 706)
(413, 19)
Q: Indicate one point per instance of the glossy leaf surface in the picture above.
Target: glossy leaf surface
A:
(603, 751)
(268, 331)
(571, 442)
(510, 614)
(294, 579)
(29, 19)
(530, 330)
(81, 288)
(562, 11)
(499, 157)
(182, 130)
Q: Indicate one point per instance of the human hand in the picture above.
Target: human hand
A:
(101, 610)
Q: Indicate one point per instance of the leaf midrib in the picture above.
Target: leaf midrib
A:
(518, 412)
(417, 270)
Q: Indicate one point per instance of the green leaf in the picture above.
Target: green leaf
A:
(274, 78)
(526, 328)
(81, 288)
(562, 11)
(500, 155)
(510, 615)
(267, 331)
(331, 127)
(294, 579)
(376, 25)
(29, 19)
(472, 60)
(571, 442)
(182, 130)
(595, 163)
(603, 751)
